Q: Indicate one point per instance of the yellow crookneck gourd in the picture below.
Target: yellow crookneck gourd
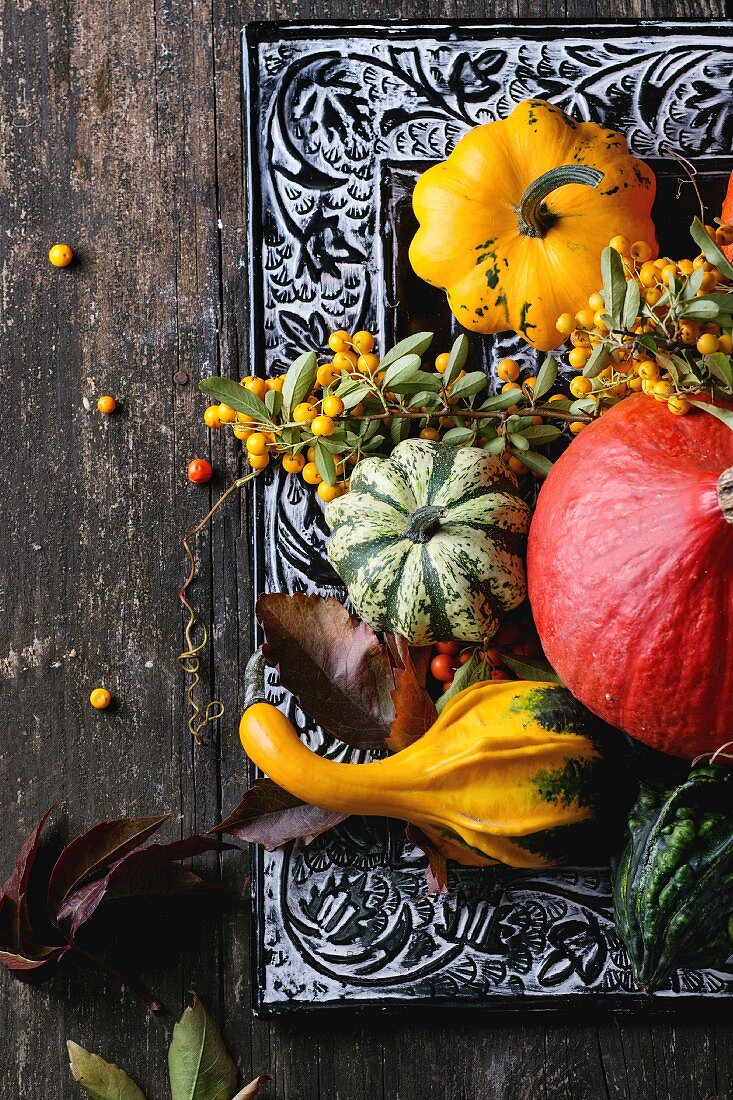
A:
(511, 772)
(513, 223)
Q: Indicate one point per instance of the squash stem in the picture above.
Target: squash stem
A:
(534, 217)
(725, 493)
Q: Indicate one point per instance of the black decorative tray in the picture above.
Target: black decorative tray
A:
(340, 119)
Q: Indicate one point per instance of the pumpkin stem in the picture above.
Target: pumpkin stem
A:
(534, 217)
(423, 523)
(725, 493)
(254, 679)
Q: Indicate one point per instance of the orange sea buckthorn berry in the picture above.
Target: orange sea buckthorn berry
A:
(448, 647)
(529, 383)
(678, 405)
(106, 405)
(619, 390)
(711, 231)
(275, 383)
(100, 698)
(363, 341)
(257, 443)
(578, 357)
(509, 387)
(344, 360)
(258, 462)
(662, 391)
(508, 370)
(635, 383)
(652, 295)
(293, 464)
(708, 344)
(621, 244)
(689, 332)
(441, 667)
(584, 318)
(579, 339)
(648, 275)
(328, 493)
(310, 454)
(641, 251)
(599, 323)
(323, 425)
(724, 235)
(686, 267)
(441, 361)
(709, 282)
(576, 427)
(332, 405)
(595, 302)
(326, 375)
(648, 370)
(339, 340)
(430, 433)
(211, 417)
(240, 432)
(580, 386)
(304, 413)
(311, 475)
(367, 364)
(565, 324)
(725, 343)
(516, 466)
(199, 471)
(557, 397)
(669, 272)
(256, 386)
(60, 255)
(227, 415)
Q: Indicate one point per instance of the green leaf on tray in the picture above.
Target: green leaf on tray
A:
(199, 1065)
(726, 415)
(710, 249)
(720, 367)
(100, 1079)
(458, 436)
(473, 672)
(632, 304)
(614, 284)
(225, 391)
(456, 359)
(273, 402)
(416, 344)
(546, 377)
(538, 464)
(501, 401)
(470, 384)
(531, 668)
(403, 369)
(299, 381)
(600, 358)
(325, 463)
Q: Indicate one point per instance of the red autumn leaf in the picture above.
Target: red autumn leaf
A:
(269, 816)
(149, 872)
(332, 663)
(436, 872)
(414, 709)
(104, 843)
(16, 934)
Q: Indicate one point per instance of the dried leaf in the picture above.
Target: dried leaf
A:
(199, 1065)
(253, 1088)
(100, 1079)
(106, 842)
(436, 873)
(16, 934)
(269, 816)
(414, 709)
(332, 663)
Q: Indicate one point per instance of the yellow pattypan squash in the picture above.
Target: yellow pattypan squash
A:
(513, 223)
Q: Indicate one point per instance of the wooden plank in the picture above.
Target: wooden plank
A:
(121, 131)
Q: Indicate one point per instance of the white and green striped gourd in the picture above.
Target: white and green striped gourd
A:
(430, 542)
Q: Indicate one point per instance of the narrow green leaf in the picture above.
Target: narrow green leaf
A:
(355, 396)
(719, 366)
(614, 284)
(373, 444)
(416, 344)
(700, 309)
(100, 1079)
(726, 415)
(470, 384)
(632, 304)
(299, 381)
(421, 380)
(541, 433)
(424, 397)
(495, 446)
(583, 405)
(504, 401)
(458, 436)
(710, 249)
(236, 396)
(546, 377)
(273, 402)
(559, 406)
(399, 429)
(456, 359)
(325, 463)
(723, 301)
(538, 464)
(531, 668)
(403, 369)
(199, 1065)
(473, 672)
(518, 441)
(693, 284)
(600, 358)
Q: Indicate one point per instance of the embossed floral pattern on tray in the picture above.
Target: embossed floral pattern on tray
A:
(346, 920)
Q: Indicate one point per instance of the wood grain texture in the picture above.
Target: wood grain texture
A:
(120, 129)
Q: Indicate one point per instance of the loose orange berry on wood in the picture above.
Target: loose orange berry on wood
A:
(106, 404)
(60, 255)
(199, 471)
(100, 698)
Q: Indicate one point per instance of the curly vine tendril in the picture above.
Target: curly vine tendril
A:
(189, 660)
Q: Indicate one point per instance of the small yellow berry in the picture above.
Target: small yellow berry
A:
(708, 344)
(430, 433)
(509, 386)
(257, 386)
(311, 475)
(60, 255)
(578, 357)
(240, 432)
(363, 342)
(580, 386)
(441, 361)
(669, 272)
(595, 301)
(621, 244)
(565, 324)
(328, 492)
(211, 417)
(323, 425)
(332, 405)
(576, 427)
(227, 415)
(258, 462)
(367, 364)
(100, 698)
(648, 370)
(106, 405)
(344, 360)
(678, 405)
(641, 251)
(339, 340)
(662, 390)
(508, 370)
(326, 375)
(584, 318)
(293, 464)
(304, 413)
(725, 343)
(257, 443)
(276, 383)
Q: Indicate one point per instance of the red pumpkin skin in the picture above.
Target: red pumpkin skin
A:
(726, 215)
(630, 574)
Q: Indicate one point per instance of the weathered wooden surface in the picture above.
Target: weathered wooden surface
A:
(120, 132)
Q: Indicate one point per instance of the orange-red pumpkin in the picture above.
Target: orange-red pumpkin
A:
(630, 574)
(726, 214)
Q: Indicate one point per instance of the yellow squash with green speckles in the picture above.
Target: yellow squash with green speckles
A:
(513, 223)
(517, 773)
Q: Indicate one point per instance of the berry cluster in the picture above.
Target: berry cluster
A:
(515, 638)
